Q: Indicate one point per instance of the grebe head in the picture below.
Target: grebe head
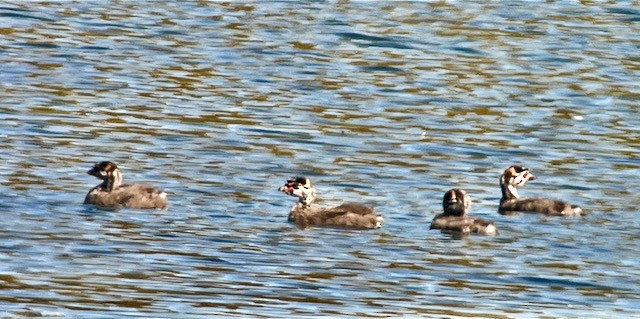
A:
(300, 187)
(456, 202)
(109, 173)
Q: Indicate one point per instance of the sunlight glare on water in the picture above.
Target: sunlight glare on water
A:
(384, 103)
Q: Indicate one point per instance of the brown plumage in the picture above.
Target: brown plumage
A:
(511, 203)
(455, 204)
(304, 215)
(112, 193)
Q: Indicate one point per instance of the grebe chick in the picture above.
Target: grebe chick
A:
(455, 204)
(347, 215)
(112, 193)
(511, 203)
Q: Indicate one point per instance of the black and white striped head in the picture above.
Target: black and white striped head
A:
(456, 202)
(516, 175)
(301, 187)
(109, 173)
(512, 177)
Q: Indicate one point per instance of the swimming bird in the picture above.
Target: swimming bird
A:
(511, 203)
(113, 193)
(455, 204)
(304, 214)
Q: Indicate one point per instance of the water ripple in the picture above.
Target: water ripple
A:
(386, 104)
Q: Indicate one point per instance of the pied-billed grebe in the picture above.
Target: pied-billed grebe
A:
(347, 215)
(456, 203)
(112, 193)
(511, 203)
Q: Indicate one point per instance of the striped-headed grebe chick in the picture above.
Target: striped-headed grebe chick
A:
(113, 193)
(347, 215)
(511, 203)
(455, 204)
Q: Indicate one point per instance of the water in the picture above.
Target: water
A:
(385, 103)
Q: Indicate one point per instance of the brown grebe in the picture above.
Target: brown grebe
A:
(455, 204)
(511, 203)
(304, 214)
(112, 193)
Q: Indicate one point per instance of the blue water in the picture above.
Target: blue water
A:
(384, 103)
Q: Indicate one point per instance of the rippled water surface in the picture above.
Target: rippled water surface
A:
(385, 103)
